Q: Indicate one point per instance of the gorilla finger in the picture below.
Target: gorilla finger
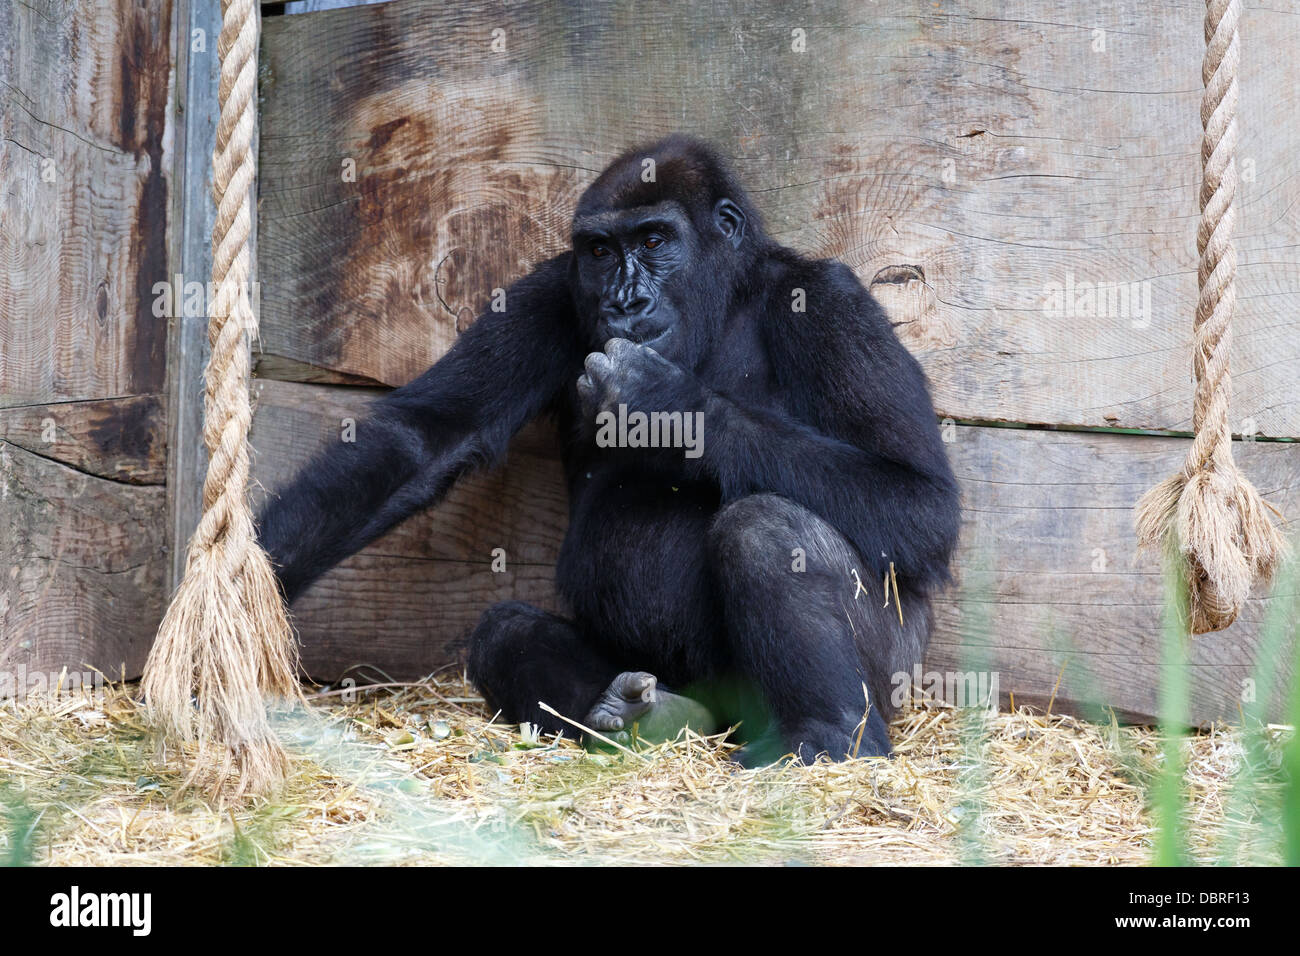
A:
(597, 365)
(617, 347)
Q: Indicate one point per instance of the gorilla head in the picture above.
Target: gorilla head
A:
(662, 242)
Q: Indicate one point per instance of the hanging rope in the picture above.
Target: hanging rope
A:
(1209, 517)
(225, 642)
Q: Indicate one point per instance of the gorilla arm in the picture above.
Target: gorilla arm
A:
(893, 509)
(417, 440)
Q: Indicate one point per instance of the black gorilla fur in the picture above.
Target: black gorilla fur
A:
(729, 576)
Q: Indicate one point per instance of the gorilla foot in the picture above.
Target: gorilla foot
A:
(811, 739)
(635, 698)
(628, 696)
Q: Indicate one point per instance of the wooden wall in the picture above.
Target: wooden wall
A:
(84, 160)
(960, 157)
(963, 158)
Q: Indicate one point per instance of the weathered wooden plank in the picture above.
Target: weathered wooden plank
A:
(404, 617)
(288, 370)
(1047, 567)
(968, 158)
(83, 123)
(122, 439)
(85, 156)
(190, 256)
(82, 561)
(1049, 514)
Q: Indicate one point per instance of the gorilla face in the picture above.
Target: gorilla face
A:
(646, 274)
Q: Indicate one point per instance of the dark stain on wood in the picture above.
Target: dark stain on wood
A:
(381, 134)
(898, 275)
(290, 370)
(101, 302)
(128, 429)
(121, 439)
(145, 66)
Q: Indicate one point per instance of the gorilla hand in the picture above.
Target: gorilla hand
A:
(637, 376)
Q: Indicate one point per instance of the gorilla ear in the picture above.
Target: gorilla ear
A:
(730, 221)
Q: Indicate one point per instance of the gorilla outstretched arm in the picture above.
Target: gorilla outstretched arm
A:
(414, 443)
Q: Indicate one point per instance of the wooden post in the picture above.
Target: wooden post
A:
(190, 257)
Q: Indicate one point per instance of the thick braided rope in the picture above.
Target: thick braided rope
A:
(1209, 516)
(231, 323)
(226, 641)
(1217, 273)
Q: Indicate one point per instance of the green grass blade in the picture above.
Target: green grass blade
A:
(1167, 792)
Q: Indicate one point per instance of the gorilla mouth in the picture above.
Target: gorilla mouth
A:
(655, 339)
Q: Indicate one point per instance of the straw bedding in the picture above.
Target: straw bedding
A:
(421, 774)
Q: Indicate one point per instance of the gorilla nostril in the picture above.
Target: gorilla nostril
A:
(628, 309)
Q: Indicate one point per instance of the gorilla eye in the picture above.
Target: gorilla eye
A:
(653, 242)
(599, 252)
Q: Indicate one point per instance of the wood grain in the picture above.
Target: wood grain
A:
(83, 118)
(82, 562)
(961, 159)
(197, 75)
(85, 156)
(1046, 561)
(1050, 587)
(120, 439)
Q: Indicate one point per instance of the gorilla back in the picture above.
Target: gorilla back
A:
(745, 440)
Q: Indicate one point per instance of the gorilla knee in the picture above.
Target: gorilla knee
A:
(753, 529)
(506, 614)
(499, 624)
(768, 531)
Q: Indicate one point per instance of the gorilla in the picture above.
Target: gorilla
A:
(749, 452)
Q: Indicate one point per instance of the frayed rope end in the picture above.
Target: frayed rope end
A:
(224, 646)
(1213, 528)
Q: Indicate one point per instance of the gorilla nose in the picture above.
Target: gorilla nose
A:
(627, 310)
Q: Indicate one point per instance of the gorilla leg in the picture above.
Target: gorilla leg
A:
(520, 655)
(800, 629)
